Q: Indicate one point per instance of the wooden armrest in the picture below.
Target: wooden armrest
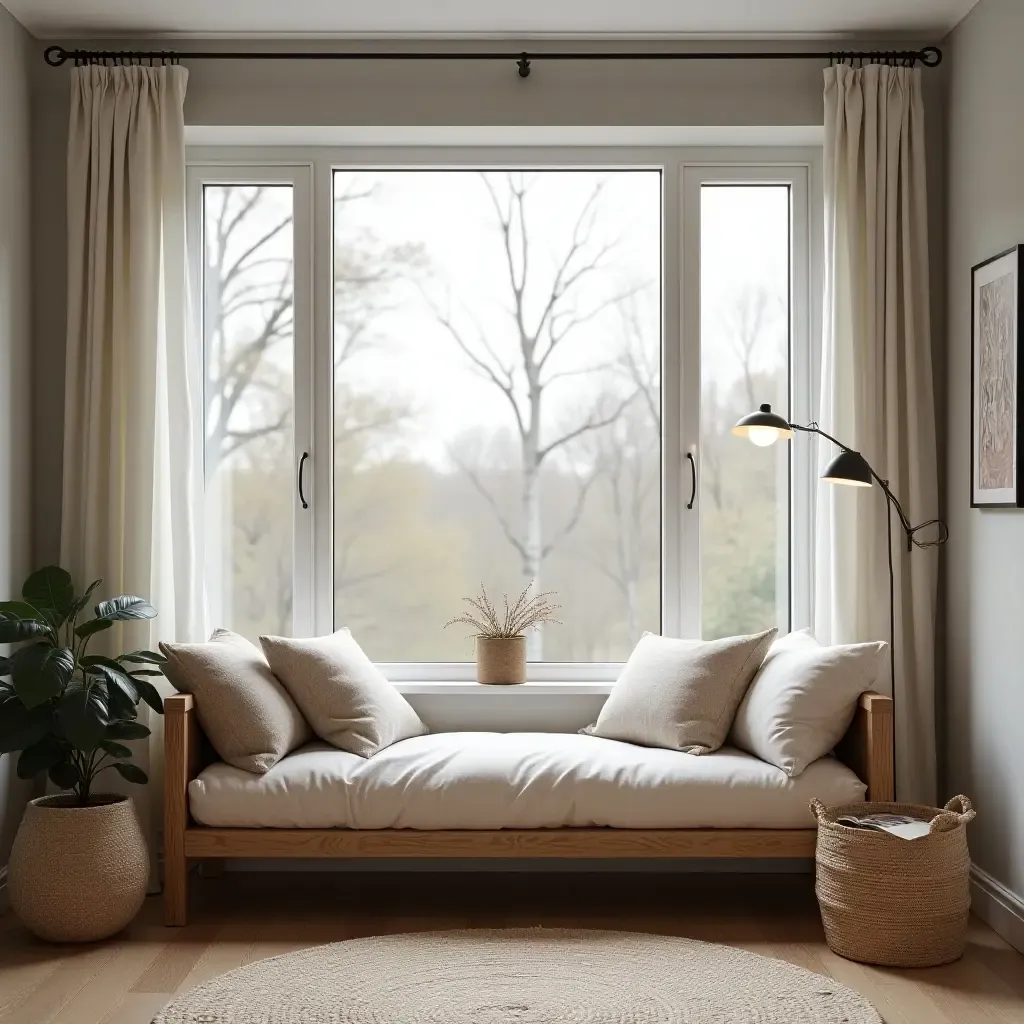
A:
(179, 704)
(867, 746)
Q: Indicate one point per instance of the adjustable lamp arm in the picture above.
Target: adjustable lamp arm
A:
(909, 529)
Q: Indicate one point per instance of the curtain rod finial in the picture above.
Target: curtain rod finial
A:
(55, 56)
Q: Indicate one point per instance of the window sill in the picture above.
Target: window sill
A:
(585, 688)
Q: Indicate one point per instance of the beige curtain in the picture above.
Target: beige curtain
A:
(128, 448)
(877, 390)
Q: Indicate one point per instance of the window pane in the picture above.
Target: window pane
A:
(745, 325)
(248, 352)
(497, 404)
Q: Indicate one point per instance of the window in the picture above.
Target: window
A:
(744, 353)
(427, 372)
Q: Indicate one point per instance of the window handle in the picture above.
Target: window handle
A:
(693, 480)
(302, 463)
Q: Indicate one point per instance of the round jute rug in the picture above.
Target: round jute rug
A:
(521, 976)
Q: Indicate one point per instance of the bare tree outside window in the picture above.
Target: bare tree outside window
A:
(511, 340)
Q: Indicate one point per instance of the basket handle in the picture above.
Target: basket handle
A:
(817, 809)
(957, 812)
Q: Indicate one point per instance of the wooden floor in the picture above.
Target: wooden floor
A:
(241, 918)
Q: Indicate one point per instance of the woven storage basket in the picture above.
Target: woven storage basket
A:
(892, 901)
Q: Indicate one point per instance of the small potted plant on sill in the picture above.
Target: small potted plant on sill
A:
(79, 866)
(501, 636)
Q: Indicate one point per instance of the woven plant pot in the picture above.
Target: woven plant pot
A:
(892, 901)
(78, 874)
(501, 661)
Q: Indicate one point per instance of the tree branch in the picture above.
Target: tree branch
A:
(474, 479)
(573, 521)
(591, 424)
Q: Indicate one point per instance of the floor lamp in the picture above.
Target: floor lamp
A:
(850, 468)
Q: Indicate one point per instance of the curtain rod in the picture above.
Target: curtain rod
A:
(55, 56)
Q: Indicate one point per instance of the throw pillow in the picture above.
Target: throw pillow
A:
(803, 700)
(245, 712)
(345, 698)
(681, 694)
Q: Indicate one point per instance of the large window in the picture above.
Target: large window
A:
(427, 374)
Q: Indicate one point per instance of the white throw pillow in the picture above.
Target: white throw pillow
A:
(803, 699)
(245, 712)
(345, 698)
(681, 694)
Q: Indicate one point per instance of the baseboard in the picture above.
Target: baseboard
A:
(1000, 908)
(5, 901)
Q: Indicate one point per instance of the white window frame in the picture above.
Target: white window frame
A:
(310, 170)
(299, 177)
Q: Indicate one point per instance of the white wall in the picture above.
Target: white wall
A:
(985, 556)
(15, 411)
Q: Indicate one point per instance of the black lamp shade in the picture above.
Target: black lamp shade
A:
(848, 468)
(764, 417)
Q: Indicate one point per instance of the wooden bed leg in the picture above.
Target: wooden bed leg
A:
(175, 889)
(180, 759)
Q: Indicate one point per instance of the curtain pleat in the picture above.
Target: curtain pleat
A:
(878, 391)
(128, 465)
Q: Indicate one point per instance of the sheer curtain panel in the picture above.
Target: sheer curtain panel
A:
(128, 447)
(877, 390)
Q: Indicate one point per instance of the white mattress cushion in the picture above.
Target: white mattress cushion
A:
(517, 780)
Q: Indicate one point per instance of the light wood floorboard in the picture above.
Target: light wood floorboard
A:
(240, 918)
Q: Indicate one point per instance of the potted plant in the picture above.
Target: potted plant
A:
(79, 865)
(501, 636)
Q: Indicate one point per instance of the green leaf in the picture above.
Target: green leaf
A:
(115, 677)
(123, 705)
(149, 693)
(127, 731)
(144, 658)
(146, 672)
(5, 666)
(131, 773)
(40, 757)
(125, 607)
(41, 672)
(90, 660)
(115, 749)
(92, 626)
(20, 727)
(20, 621)
(82, 718)
(52, 591)
(64, 775)
(82, 601)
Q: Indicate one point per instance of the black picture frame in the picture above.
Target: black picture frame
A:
(997, 268)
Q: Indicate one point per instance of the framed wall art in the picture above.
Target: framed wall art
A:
(997, 439)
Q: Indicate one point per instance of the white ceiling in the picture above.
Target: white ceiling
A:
(681, 18)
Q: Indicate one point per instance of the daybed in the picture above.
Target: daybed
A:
(496, 795)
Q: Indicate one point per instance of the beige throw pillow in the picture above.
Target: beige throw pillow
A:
(245, 712)
(681, 694)
(803, 700)
(345, 698)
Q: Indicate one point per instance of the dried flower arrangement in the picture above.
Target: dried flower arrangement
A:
(523, 613)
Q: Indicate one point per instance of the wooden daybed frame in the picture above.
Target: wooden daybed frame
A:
(867, 749)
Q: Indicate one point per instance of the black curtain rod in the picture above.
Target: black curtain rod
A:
(55, 56)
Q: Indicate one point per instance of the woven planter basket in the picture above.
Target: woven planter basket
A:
(501, 660)
(892, 901)
(78, 874)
